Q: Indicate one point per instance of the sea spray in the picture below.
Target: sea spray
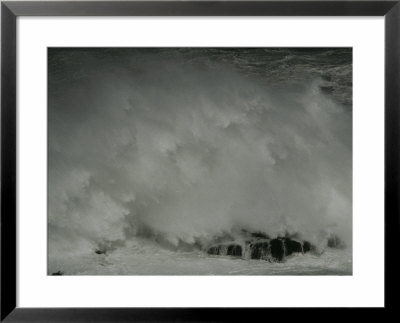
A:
(182, 146)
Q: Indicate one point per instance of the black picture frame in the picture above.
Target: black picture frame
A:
(11, 10)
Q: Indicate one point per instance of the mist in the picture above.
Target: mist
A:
(155, 144)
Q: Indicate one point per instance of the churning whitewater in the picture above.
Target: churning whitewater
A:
(200, 161)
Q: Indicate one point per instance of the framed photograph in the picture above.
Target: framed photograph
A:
(193, 160)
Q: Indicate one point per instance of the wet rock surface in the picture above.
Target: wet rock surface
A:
(234, 250)
(259, 235)
(277, 249)
(307, 246)
(259, 250)
(214, 250)
(335, 242)
(292, 246)
(257, 245)
(58, 273)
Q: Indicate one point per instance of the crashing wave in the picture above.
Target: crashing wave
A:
(180, 146)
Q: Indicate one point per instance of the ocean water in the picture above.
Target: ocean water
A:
(147, 259)
(157, 154)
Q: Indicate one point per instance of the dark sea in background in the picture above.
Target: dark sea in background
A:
(155, 153)
(276, 66)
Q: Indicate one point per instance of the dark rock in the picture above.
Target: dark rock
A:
(277, 249)
(58, 273)
(292, 246)
(259, 250)
(234, 250)
(216, 250)
(335, 242)
(306, 246)
(259, 235)
(100, 252)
